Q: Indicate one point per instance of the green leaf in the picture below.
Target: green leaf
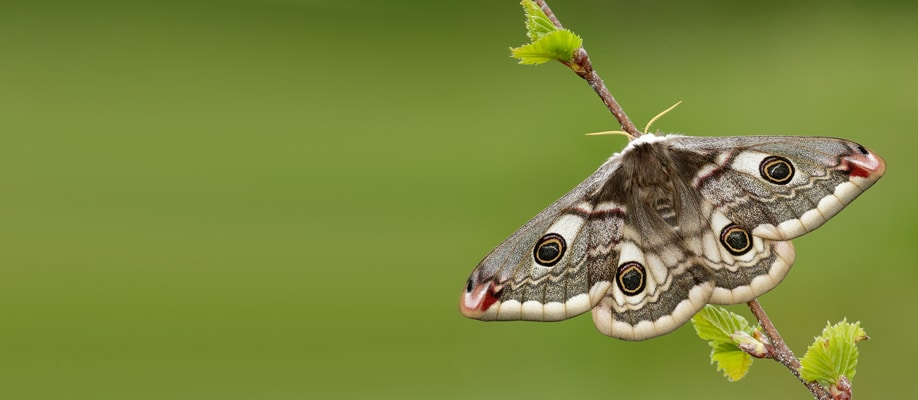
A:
(724, 331)
(731, 360)
(547, 42)
(718, 324)
(557, 45)
(833, 355)
(537, 23)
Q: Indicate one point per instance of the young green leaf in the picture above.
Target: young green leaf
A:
(833, 355)
(547, 42)
(725, 333)
(718, 324)
(537, 23)
(557, 45)
(731, 360)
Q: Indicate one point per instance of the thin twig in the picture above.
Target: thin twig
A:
(782, 353)
(551, 15)
(582, 65)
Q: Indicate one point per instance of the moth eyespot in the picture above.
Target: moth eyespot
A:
(863, 150)
(549, 249)
(777, 170)
(469, 286)
(630, 278)
(736, 240)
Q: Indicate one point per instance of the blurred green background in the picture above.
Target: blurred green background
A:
(283, 199)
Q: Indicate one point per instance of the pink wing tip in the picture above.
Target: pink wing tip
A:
(864, 164)
(476, 299)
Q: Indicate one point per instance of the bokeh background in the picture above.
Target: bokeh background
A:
(283, 199)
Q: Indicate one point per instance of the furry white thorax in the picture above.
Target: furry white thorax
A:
(643, 139)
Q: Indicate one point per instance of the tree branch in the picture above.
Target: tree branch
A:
(780, 352)
(582, 65)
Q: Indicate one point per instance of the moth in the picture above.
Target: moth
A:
(667, 225)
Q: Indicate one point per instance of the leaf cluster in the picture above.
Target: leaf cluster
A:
(547, 42)
(726, 332)
(833, 355)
